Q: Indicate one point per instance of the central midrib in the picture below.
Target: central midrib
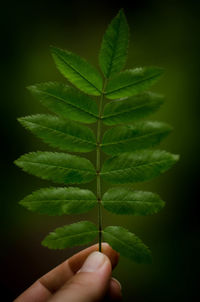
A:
(132, 138)
(59, 131)
(129, 85)
(58, 200)
(79, 74)
(30, 162)
(72, 236)
(136, 166)
(114, 50)
(131, 201)
(122, 242)
(125, 111)
(69, 104)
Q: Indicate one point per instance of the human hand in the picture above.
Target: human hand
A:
(85, 277)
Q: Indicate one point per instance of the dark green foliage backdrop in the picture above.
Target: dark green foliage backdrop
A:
(162, 33)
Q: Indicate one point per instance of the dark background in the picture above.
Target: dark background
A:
(163, 33)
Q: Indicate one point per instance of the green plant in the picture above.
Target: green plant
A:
(129, 143)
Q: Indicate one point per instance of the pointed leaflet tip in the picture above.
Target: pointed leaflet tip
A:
(53, 48)
(120, 12)
(34, 88)
(30, 87)
(78, 71)
(19, 119)
(114, 47)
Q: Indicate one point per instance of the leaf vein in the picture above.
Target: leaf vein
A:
(129, 85)
(114, 47)
(60, 167)
(72, 236)
(62, 132)
(70, 104)
(131, 139)
(74, 69)
(137, 166)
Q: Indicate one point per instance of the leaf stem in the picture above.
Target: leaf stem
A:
(98, 164)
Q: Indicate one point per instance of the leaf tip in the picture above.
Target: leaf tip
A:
(52, 48)
(55, 51)
(44, 243)
(31, 88)
(21, 120)
(16, 162)
(22, 203)
(121, 11)
(147, 257)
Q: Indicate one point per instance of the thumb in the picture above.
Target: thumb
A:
(90, 283)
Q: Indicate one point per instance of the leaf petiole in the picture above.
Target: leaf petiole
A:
(98, 163)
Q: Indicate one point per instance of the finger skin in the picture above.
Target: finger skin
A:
(86, 285)
(114, 291)
(48, 284)
(59, 275)
(35, 293)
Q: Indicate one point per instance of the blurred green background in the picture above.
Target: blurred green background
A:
(163, 33)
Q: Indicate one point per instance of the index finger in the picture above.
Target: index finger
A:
(59, 275)
(48, 284)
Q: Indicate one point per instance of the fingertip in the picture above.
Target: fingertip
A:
(75, 262)
(90, 283)
(115, 290)
(95, 262)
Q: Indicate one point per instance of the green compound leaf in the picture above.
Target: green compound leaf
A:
(66, 101)
(131, 82)
(78, 71)
(71, 235)
(129, 202)
(131, 109)
(60, 133)
(59, 201)
(131, 161)
(134, 137)
(114, 46)
(137, 166)
(58, 167)
(127, 244)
